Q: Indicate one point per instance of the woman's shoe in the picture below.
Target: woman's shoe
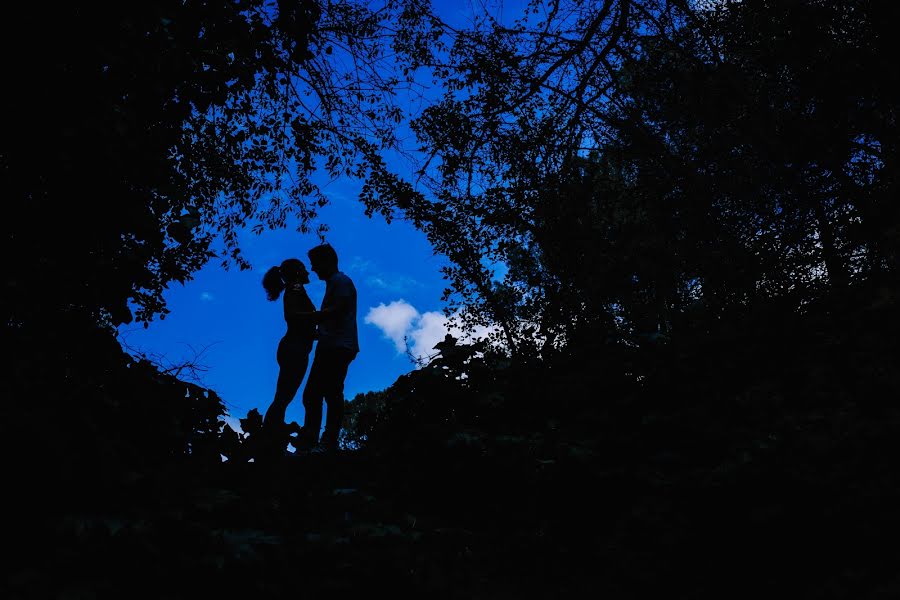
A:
(302, 442)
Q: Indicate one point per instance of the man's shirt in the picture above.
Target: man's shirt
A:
(339, 330)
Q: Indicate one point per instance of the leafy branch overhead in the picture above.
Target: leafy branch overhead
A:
(182, 123)
(619, 170)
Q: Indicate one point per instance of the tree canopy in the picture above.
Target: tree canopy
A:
(679, 217)
(629, 161)
(146, 137)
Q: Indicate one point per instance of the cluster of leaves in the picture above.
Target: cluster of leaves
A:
(638, 165)
(102, 213)
(83, 408)
(145, 138)
(761, 449)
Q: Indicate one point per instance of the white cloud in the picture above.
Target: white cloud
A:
(207, 297)
(423, 331)
(430, 329)
(394, 320)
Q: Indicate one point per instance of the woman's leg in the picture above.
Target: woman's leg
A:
(289, 380)
(292, 361)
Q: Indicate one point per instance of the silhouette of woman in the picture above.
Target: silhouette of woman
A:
(295, 346)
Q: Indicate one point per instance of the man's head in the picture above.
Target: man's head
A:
(323, 260)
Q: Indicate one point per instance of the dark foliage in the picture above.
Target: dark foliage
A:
(694, 388)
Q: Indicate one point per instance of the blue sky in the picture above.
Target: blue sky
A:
(225, 317)
(222, 320)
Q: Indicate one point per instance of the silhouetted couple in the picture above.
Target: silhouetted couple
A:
(333, 326)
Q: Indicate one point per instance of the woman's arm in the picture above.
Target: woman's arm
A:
(297, 305)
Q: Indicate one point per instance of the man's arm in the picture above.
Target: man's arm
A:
(342, 305)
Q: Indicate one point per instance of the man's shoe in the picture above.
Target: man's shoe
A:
(301, 443)
(321, 448)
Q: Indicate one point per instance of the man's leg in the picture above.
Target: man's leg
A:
(339, 361)
(312, 399)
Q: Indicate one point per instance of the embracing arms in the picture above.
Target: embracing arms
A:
(341, 305)
(299, 306)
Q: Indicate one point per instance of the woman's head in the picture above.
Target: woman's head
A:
(290, 271)
(294, 271)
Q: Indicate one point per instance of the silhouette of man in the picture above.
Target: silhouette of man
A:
(336, 348)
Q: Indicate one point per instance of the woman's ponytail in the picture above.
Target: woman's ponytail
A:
(273, 283)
